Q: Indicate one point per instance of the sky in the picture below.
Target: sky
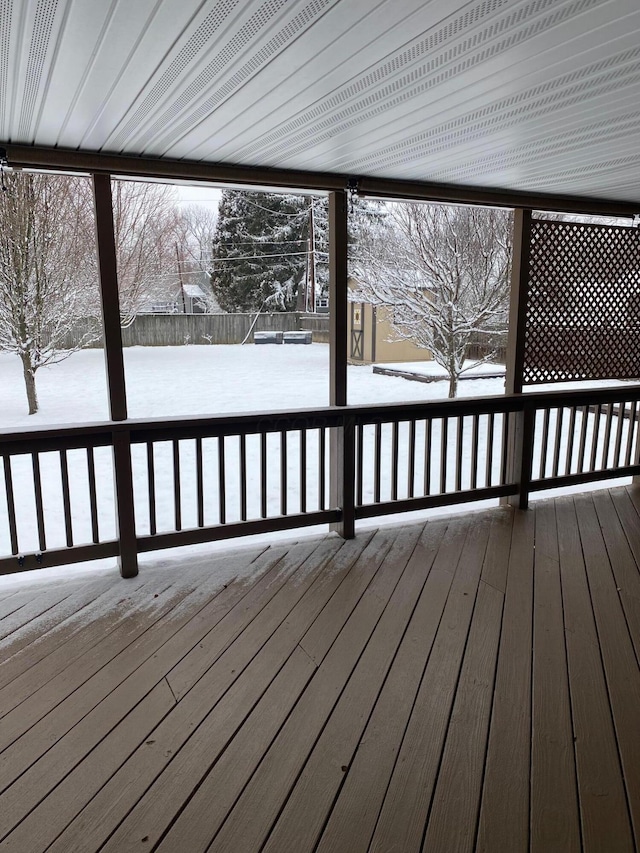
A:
(205, 196)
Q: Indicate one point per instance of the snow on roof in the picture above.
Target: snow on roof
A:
(193, 290)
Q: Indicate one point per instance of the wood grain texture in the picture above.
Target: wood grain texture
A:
(618, 657)
(453, 816)
(353, 817)
(55, 812)
(504, 812)
(58, 741)
(623, 564)
(603, 808)
(238, 680)
(257, 808)
(301, 821)
(469, 684)
(406, 806)
(555, 824)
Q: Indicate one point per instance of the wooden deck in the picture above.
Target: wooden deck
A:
(468, 684)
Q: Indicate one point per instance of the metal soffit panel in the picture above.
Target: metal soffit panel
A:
(527, 95)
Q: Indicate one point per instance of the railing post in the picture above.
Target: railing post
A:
(518, 424)
(341, 449)
(520, 455)
(343, 477)
(635, 479)
(125, 516)
(114, 361)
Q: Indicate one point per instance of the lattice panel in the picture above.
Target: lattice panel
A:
(583, 303)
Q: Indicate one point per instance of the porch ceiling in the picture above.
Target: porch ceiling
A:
(535, 96)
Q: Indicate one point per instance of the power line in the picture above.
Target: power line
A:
(300, 213)
(257, 257)
(260, 242)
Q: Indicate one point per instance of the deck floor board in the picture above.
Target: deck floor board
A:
(468, 684)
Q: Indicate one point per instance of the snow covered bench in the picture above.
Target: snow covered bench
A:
(267, 337)
(298, 337)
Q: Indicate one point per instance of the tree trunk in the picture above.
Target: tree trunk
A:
(30, 384)
(453, 385)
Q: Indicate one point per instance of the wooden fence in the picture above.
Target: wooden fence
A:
(163, 330)
(181, 481)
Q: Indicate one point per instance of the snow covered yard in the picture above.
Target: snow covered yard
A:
(197, 380)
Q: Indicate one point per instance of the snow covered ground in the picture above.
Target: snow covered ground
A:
(197, 380)
(190, 380)
(431, 369)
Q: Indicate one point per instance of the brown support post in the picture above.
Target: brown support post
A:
(518, 300)
(341, 446)
(635, 480)
(114, 362)
(521, 426)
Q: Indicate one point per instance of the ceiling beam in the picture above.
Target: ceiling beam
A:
(65, 160)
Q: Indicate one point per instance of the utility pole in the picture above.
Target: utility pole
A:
(312, 260)
(184, 301)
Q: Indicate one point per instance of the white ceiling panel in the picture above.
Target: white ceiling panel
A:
(530, 95)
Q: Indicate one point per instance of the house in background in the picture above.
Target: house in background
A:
(372, 337)
(195, 299)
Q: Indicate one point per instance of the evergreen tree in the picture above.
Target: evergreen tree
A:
(260, 250)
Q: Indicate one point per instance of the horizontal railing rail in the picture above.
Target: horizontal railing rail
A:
(204, 478)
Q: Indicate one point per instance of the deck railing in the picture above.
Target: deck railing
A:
(107, 489)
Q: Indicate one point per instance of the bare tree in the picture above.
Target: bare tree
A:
(197, 233)
(45, 282)
(444, 271)
(146, 225)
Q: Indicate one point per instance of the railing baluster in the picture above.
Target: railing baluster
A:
(459, 444)
(37, 485)
(11, 506)
(594, 438)
(583, 438)
(66, 498)
(444, 435)
(505, 448)
(607, 437)
(93, 498)
(283, 472)
(544, 446)
(428, 436)
(222, 477)
(322, 451)
(573, 451)
(378, 457)
(622, 409)
(394, 461)
(557, 441)
(177, 501)
(151, 475)
(303, 470)
(474, 450)
(571, 431)
(200, 482)
(359, 463)
(632, 421)
(491, 421)
(243, 477)
(411, 473)
(263, 474)
(636, 454)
